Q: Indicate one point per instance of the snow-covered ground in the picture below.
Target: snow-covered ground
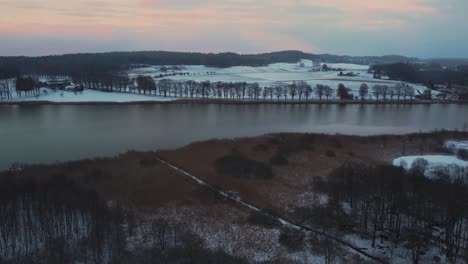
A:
(433, 160)
(271, 75)
(88, 96)
(454, 146)
(436, 165)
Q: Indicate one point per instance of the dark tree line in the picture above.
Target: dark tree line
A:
(26, 86)
(117, 61)
(6, 89)
(413, 73)
(55, 220)
(388, 204)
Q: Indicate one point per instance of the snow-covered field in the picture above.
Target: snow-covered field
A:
(454, 146)
(435, 165)
(89, 96)
(433, 160)
(271, 75)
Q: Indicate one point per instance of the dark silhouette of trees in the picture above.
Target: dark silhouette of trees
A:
(6, 92)
(26, 86)
(292, 88)
(343, 92)
(363, 91)
(147, 84)
(392, 205)
(328, 91)
(113, 62)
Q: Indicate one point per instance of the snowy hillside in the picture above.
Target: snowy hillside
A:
(273, 74)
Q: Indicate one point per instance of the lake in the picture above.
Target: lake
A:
(49, 133)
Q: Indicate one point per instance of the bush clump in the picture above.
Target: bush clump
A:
(260, 218)
(292, 239)
(242, 167)
(279, 160)
(290, 144)
(260, 148)
(462, 154)
(148, 162)
(330, 154)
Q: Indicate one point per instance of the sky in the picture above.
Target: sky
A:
(416, 28)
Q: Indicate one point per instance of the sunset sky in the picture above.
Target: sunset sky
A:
(423, 28)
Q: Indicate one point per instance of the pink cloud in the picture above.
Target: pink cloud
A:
(248, 24)
(360, 6)
(100, 31)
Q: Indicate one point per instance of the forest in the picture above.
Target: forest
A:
(419, 73)
(388, 204)
(116, 61)
(55, 219)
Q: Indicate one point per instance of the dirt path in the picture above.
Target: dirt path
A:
(281, 219)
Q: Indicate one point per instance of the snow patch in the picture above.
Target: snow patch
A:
(454, 145)
(89, 96)
(436, 165)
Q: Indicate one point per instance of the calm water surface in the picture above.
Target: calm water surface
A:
(47, 133)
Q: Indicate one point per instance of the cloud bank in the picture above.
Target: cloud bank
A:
(425, 28)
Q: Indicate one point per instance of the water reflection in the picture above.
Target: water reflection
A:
(52, 132)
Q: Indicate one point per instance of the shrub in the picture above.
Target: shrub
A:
(330, 154)
(295, 143)
(419, 166)
(292, 239)
(262, 219)
(462, 154)
(319, 184)
(279, 160)
(242, 167)
(337, 144)
(148, 162)
(260, 148)
(97, 175)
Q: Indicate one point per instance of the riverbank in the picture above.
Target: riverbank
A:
(239, 102)
(151, 190)
(303, 156)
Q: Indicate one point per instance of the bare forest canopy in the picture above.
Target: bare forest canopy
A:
(429, 74)
(115, 61)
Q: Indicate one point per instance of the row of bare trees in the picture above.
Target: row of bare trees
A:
(22, 86)
(398, 91)
(6, 90)
(298, 90)
(56, 220)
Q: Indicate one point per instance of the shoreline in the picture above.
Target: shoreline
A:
(240, 102)
(427, 134)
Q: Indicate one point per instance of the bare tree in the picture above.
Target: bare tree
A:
(278, 92)
(377, 91)
(328, 91)
(320, 90)
(363, 91)
(292, 90)
(399, 90)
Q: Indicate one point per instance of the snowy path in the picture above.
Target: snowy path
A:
(281, 219)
